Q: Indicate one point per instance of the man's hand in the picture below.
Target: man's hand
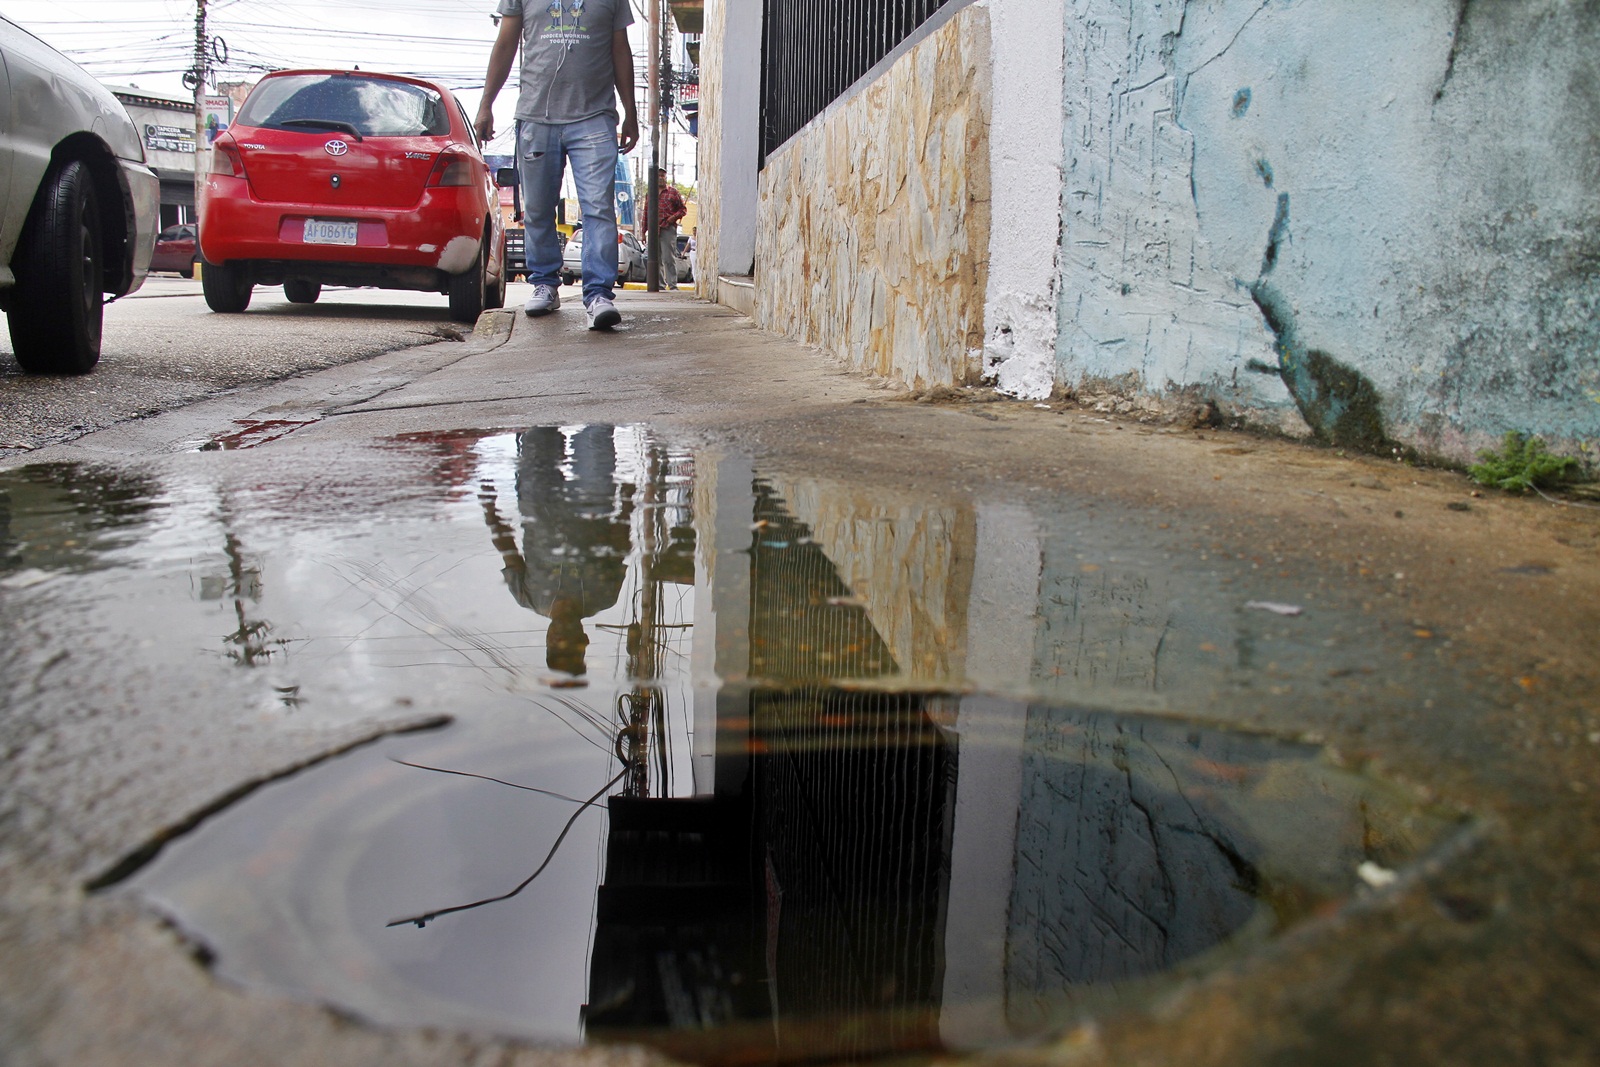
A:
(485, 124)
(622, 67)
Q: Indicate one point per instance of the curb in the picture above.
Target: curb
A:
(494, 327)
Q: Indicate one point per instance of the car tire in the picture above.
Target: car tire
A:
(57, 310)
(300, 291)
(568, 279)
(188, 272)
(469, 290)
(226, 286)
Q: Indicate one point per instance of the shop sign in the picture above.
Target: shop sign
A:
(169, 138)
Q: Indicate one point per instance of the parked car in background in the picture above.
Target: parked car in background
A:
(339, 177)
(630, 258)
(79, 207)
(685, 258)
(177, 249)
(572, 258)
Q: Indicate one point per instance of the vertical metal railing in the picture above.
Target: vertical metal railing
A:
(813, 50)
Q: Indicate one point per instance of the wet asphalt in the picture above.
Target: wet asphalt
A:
(1388, 617)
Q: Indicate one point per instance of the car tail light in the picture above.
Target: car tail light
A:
(225, 159)
(453, 168)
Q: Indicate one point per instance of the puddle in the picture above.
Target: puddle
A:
(850, 873)
(721, 776)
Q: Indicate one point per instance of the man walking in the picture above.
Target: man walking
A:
(576, 61)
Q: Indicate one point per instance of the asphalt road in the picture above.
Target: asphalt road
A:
(164, 348)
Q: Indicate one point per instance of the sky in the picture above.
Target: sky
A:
(150, 43)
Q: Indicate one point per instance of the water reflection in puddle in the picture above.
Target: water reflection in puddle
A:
(716, 779)
(862, 873)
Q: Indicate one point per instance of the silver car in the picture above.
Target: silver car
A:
(630, 258)
(78, 205)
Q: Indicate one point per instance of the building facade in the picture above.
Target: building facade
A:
(166, 127)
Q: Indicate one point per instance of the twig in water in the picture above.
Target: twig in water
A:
(427, 917)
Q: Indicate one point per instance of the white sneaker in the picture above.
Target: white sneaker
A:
(545, 299)
(603, 314)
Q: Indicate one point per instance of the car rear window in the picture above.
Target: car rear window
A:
(376, 107)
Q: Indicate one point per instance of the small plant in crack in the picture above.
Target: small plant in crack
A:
(1520, 464)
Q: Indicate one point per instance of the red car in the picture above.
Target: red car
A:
(176, 250)
(337, 177)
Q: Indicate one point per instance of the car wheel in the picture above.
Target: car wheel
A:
(469, 290)
(568, 279)
(300, 291)
(226, 287)
(57, 310)
(188, 272)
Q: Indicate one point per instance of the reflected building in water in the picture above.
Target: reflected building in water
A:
(862, 868)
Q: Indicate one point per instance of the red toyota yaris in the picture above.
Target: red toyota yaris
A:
(336, 177)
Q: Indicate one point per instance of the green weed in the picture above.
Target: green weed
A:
(1522, 463)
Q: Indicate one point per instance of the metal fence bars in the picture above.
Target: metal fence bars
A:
(813, 50)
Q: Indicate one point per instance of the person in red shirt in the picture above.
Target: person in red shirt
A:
(669, 212)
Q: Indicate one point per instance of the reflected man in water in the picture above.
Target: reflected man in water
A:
(575, 534)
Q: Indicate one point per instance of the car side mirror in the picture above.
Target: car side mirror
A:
(506, 177)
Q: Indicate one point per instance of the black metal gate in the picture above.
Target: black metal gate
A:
(813, 50)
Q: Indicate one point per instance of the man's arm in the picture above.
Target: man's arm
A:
(622, 62)
(500, 59)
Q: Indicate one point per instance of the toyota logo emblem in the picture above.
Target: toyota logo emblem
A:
(336, 148)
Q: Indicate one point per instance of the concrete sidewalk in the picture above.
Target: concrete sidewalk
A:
(1477, 617)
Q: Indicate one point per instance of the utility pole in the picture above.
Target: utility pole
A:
(652, 236)
(200, 160)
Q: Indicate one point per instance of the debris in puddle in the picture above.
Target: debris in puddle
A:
(25, 579)
(563, 682)
(1375, 876)
(1274, 606)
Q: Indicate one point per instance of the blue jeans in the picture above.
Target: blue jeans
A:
(543, 150)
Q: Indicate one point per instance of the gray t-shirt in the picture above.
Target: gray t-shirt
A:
(567, 72)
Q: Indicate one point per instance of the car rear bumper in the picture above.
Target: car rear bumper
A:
(441, 234)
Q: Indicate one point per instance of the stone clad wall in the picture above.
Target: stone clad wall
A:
(1378, 223)
(874, 220)
(708, 180)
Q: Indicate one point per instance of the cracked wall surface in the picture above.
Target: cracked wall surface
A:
(1307, 209)
(874, 219)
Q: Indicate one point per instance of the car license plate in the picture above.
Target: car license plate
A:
(324, 232)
